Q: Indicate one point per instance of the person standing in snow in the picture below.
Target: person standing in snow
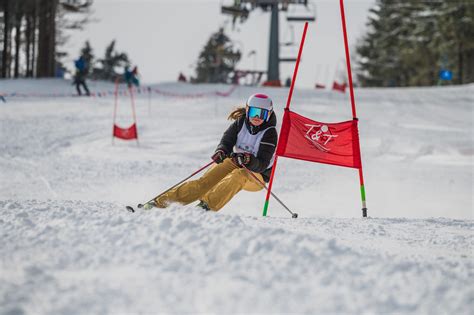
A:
(249, 143)
(131, 77)
(80, 76)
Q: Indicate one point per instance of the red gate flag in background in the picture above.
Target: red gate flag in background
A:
(329, 143)
(129, 133)
(341, 87)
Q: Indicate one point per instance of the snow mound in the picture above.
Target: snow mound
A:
(69, 257)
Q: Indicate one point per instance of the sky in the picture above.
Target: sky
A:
(165, 37)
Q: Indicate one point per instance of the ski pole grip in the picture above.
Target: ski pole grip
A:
(239, 159)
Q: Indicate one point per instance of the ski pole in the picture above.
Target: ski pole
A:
(293, 214)
(140, 205)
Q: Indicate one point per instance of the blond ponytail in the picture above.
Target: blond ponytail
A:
(237, 113)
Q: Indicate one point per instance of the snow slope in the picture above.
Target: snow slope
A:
(68, 246)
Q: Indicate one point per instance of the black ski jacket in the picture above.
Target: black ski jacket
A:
(258, 164)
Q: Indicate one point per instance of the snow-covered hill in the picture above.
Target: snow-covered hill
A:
(69, 247)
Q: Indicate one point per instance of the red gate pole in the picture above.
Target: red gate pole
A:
(130, 89)
(288, 102)
(354, 115)
(115, 108)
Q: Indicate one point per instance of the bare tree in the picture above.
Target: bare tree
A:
(30, 31)
(6, 39)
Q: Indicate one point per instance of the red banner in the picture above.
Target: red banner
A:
(126, 133)
(328, 143)
(339, 87)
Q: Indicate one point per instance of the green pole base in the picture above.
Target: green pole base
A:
(265, 208)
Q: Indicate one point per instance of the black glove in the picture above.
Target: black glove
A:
(219, 156)
(241, 159)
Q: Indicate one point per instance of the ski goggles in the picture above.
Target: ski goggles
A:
(258, 112)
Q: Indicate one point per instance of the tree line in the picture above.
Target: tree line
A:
(409, 43)
(108, 68)
(33, 30)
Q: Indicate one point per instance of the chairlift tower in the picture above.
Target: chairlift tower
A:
(240, 9)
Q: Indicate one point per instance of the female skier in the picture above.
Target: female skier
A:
(250, 143)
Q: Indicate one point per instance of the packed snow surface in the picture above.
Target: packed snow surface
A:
(68, 246)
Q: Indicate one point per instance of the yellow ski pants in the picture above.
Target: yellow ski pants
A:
(216, 187)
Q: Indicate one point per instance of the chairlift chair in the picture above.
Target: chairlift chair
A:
(288, 48)
(308, 16)
(291, 32)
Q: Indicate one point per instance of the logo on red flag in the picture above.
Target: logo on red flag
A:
(320, 136)
(328, 143)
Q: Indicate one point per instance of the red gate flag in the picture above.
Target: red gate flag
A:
(126, 133)
(328, 143)
(341, 87)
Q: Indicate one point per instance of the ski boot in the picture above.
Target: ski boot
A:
(149, 205)
(203, 205)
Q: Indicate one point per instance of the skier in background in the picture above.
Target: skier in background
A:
(80, 75)
(182, 77)
(131, 77)
(249, 142)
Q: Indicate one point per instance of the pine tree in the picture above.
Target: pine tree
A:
(111, 63)
(457, 28)
(217, 60)
(87, 54)
(408, 43)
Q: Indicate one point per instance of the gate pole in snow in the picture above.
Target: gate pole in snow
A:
(115, 128)
(149, 101)
(290, 94)
(130, 89)
(115, 108)
(354, 115)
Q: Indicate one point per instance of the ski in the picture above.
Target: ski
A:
(146, 206)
